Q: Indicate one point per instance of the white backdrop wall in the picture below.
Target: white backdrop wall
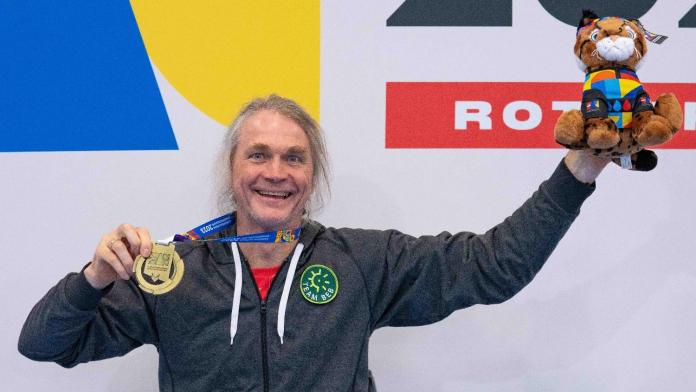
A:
(611, 311)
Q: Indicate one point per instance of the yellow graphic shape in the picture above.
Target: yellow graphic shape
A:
(221, 54)
(622, 119)
(312, 282)
(627, 85)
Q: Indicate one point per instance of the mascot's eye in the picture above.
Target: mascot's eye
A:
(594, 34)
(631, 33)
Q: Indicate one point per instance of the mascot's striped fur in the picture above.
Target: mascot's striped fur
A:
(617, 118)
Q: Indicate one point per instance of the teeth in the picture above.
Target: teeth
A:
(274, 194)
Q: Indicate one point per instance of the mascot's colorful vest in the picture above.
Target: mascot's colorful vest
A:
(615, 93)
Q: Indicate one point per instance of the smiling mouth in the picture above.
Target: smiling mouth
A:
(274, 195)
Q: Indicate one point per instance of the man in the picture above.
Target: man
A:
(308, 327)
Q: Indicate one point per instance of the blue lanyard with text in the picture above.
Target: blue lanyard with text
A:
(221, 223)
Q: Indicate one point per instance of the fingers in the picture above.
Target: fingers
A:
(145, 241)
(107, 262)
(123, 261)
(137, 239)
(132, 240)
(116, 251)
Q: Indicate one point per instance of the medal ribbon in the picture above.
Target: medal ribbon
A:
(221, 223)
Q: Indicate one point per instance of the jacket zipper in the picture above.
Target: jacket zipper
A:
(264, 347)
(264, 339)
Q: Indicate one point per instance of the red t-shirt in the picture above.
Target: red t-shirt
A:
(264, 278)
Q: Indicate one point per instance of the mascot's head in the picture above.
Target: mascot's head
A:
(609, 41)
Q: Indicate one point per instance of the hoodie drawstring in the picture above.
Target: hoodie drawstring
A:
(236, 298)
(237, 291)
(286, 290)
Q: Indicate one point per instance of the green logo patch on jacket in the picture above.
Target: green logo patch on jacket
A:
(319, 284)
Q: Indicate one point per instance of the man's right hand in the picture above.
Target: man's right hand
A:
(113, 258)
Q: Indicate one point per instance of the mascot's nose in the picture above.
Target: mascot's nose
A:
(614, 37)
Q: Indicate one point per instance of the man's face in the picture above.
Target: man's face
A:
(271, 173)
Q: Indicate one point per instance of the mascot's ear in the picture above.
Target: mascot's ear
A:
(587, 17)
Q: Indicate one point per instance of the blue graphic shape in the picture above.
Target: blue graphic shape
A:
(75, 76)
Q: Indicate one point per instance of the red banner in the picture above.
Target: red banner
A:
(500, 114)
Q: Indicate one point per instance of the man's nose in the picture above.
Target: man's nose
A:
(275, 170)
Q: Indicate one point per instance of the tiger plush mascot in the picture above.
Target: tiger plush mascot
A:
(617, 118)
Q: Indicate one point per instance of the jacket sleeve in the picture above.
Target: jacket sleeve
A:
(416, 281)
(75, 323)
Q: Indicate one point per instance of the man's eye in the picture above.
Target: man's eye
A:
(294, 159)
(257, 156)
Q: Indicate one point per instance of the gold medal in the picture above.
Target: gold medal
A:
(161, 272)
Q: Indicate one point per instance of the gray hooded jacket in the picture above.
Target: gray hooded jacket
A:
(385, 278)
